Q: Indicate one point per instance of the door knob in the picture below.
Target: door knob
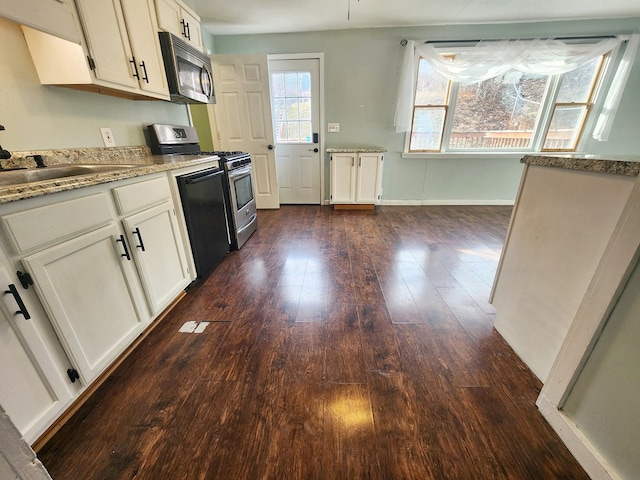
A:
(270, 147)
(314, 150)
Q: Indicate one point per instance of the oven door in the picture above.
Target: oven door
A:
(242, 200)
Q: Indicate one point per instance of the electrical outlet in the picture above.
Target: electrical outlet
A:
(333, 127)
(107, 137)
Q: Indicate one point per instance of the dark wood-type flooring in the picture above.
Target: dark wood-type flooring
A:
(342, 345)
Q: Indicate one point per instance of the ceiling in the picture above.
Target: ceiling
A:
(226, 17)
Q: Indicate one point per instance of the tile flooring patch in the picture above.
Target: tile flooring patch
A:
(193, 327)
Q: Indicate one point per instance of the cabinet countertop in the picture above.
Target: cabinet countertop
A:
(612, 164)
(148, 164)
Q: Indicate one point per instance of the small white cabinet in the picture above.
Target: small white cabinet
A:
(356, 177)
(121, 53)
(176, 17)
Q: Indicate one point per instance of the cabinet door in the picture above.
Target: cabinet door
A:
(33, 388)
(159, 253)
(108, 40)
(169, 17)
(175, 18)
(90, 292)
(343, 178)
(142, 27)
(193, 34)
(50, 16)
(369, 177)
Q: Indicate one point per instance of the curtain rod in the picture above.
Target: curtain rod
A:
(404, 42)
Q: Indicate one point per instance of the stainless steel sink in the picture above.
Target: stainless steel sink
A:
(17, 177)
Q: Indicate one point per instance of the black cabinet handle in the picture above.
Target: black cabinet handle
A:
(137, 232)
(188, 35)
(184, 28)
(124, 245)
(145, 77)
(21, 306)
(135, 68)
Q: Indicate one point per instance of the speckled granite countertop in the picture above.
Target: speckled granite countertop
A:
(615, 165)
(356, 150)
(141, 156)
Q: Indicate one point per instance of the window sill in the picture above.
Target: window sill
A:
(470, 155)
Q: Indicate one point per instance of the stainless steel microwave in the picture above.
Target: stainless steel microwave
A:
(188, 71)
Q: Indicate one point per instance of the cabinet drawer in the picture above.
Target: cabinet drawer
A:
(40, 226)
(137, 196)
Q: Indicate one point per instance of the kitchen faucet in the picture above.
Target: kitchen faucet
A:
(4, 154)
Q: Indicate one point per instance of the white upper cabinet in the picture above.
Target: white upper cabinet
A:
(52, 16)
(108, 41)
(142, 25)
(177, 18)
(120, 54)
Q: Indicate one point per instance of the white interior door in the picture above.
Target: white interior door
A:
(295, 103)
(243, 118)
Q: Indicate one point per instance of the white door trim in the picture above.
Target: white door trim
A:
(321, 129)
(611, 275)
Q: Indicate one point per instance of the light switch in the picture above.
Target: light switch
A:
(333, 127)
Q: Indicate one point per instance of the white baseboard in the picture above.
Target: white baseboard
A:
(446, 202)
(580, 447)
(439, 202)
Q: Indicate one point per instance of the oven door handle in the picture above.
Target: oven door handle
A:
(203, 177)
(239, 173)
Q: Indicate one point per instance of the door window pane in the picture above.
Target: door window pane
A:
(291, 100)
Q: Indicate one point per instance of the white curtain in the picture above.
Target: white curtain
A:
(489, 59)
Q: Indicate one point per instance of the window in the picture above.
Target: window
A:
(292, 107)
(513, 111)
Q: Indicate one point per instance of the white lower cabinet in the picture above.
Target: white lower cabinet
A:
(89, 289)
(159, 253)
(35, 388)
(104, 261)
(356, 177)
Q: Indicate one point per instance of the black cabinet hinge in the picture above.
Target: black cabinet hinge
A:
(92, 63)
(73, 375)
(25, 279)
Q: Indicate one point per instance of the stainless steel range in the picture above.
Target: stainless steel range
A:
(240, 200)
(242, 204)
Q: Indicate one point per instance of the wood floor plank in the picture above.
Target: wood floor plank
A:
(341, 345)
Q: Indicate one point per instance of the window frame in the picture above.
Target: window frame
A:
(598, 89)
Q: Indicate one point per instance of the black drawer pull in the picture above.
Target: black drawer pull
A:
(22, 308)
(145, 77)
(124, 245)
(135, 68)
(137, 232)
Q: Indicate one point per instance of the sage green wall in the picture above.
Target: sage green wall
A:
(362, 69)
(604, 401)
(40, 117)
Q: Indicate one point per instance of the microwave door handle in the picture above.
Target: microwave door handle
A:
(206, 83)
